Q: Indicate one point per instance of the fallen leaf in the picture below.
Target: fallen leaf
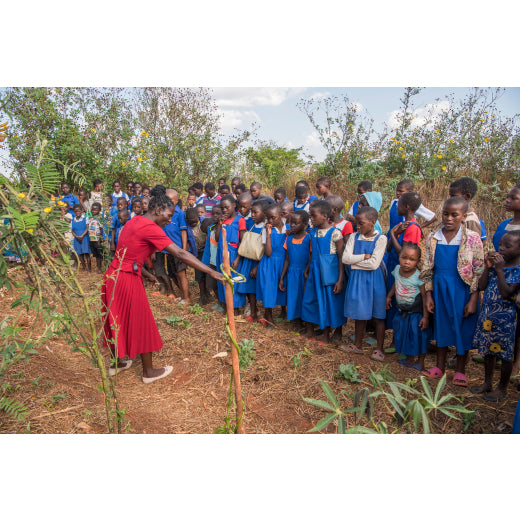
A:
(220, 354)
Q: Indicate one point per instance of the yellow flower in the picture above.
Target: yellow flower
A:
(139, 159)
(482, 119)
(495, 347)
(402, 156)
(92, 129)
(401, 148)
(47, 210)
(492, 115)
(451, 141)
(443, 168)
(141, 150)
(123, 164)
(30, 231)
(487, 325)
(439, 156)
(21, 195)
(437, 131)
(438, 138)
(486, 139)
(53, 197)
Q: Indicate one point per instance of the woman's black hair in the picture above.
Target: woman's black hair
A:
(224, 187)
(304, 216)
(159, 199)
(323, 207)
(411, 245)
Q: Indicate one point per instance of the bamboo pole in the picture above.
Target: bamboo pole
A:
(232, 328)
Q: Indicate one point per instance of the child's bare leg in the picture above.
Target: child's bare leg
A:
(99, 265)
(489, 367)
(338, 334)
(182, 279)
(505, 375)
(326, 334)
(89, 264)
(252, 304)
(203, 293)
(359, 332)
(310, 331)
(283, 314)
(420, 360)
(83, 262)
(268, 315)
(148, 370)
(380, 333)
(461, 363)
(441, 358)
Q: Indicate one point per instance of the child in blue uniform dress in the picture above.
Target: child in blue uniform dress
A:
(81, 240)
(411, 320)
(452, 268)
(271, 265)
(495, 333)
(244, 205)
(235, 227)
(298, 248)
(322, 305)
(248, 267)
(68, 198)
(366, 290)
(512, 203)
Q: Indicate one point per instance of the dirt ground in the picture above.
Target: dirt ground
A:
(59, 387)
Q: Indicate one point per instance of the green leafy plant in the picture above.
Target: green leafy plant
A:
(348, 372)
(174, 321)
(297, 359)
(14, 408)
(196, 309)
(247, 353)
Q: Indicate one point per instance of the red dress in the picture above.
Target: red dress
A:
(130, 316)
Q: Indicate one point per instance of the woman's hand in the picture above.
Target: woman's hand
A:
(217, 276)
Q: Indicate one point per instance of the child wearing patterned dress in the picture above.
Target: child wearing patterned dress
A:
(452, 268)
(411, 319)
(366, 291)
(271, 265)
(248, 267)
(298, 248)
(322, 303)
(495, 332)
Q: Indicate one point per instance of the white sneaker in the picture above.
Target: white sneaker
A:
(167, 371)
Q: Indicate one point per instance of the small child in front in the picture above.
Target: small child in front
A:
(495, 332)
(366, 290)
(271, 265)
(80, 233)
(411, 319)
(452, 268)
(324, 292)
(297, 254)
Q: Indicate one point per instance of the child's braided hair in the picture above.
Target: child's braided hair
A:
(414, 246)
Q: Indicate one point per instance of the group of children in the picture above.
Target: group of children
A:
(322, 265)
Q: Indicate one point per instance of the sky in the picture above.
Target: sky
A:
(277, 117)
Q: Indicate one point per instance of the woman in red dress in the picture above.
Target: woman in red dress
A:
(129, 326)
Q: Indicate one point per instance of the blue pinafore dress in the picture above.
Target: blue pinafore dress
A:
(245, 266)
(298, 259)
(391, 260)
(233, 236)
(79, 228)
(365, 297)
(320, 305)
(450, 295)
(269, 272)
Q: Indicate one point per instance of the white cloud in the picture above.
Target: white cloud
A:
(320, 95)
(254, 96)
(313, 140)
(426, 115)
(237, 118)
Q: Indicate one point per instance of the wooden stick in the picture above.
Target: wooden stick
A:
(47, 414)
(232, 328)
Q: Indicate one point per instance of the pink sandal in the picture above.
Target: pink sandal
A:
(434, 373)
(459, 379)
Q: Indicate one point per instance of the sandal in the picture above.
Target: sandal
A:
(350, 348)
(113, 371)
(434, 373)
(459, 379)
(377, 355)
(265, 323)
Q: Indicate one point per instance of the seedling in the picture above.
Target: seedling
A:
(297, 359)
(349, 372)
(173, 321)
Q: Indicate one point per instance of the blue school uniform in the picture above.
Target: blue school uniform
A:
(249, 223)
(298, 253)
(365, 297)
(79, 227)
(500, 232)
(233, 237)
(409, 339)
(516, 422)
(115, 197)
(391, 260)
(395, 218)
(70, 200)
(451, 294)
(320, 305)
(246, 264)
(269, 272)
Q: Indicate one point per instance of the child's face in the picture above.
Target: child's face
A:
(221, 182)
(238, 192)
(146, 192)
(364, 225)
(223, 192)
(452, 217)
(137, 188)
(360, 192)
(216, 213)
(144, 202)
(137, 207)
(191, 200)
(130, 188)
(108, 201)
(454, 192)
(197, 191)
(302, 199)
(193, 222)
(318, 219)
(287, 211)
(408, 259)
(117, 187)
(244, 207)
(82, 194)
(234, 184)
(363, 202)
(65, 189)
(210, 192)
(255, 192)
(201, 212)
(297, 225)
(121, 204)
(228, 209)
(321, 188)
(402, 209)
(274, 217)
(512, 202)
(257, 214)
(98, 188)
(77, 212)
(400, 190)
(278, 198)
(95, 210)
(123, 219)
(509, 247)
